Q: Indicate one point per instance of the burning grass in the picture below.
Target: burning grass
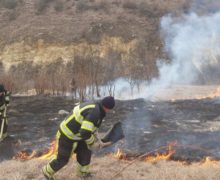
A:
(153, 165)
(118, 165)
(46, 154)
(161, 153)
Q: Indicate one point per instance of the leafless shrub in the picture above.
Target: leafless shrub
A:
(8, 82)
(58, 6)
(21, 75)
(82, 5)
(40, 83)
(130, 5)
(9, 4)
(95, 32)
(145, 9)
(117, 2)
(81, 68)
(100, 5)
(41, 5)
(12, 16)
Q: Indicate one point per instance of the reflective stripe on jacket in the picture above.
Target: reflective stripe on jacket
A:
(83, 122)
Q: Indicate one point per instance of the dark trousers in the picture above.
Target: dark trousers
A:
(65, 147)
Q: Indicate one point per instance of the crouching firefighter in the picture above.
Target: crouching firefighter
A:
(77, 134)
(4, 101)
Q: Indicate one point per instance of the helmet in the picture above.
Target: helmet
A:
(108, 102)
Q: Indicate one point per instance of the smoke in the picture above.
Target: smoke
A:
(193, 45)
(192, 42)
(139, 120)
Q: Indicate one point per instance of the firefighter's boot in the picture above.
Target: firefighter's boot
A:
(48, 172)
(83, 172)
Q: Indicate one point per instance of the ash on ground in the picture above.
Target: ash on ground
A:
(193, 124)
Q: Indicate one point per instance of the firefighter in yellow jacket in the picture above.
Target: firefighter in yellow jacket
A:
(77, 134)
(4, 101)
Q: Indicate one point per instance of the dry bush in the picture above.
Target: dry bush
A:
(22, 76)
(82, 5)
(52, 79)
(100, 5)
(58, 6)
(8, 82)
(12, 16)
(85, 5)
(88, 71)
(81, 75)
(117, 2)
(156, 8)
(9, 4)
(41, 5)
(94, 34)
(130, 5)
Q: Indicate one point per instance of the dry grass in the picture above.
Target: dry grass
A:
(69, 21)
(107, 167)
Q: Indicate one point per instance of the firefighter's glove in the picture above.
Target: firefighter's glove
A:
(105, 144)
(98, 145)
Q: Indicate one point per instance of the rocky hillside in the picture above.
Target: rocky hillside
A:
(45, 30)
(45, 42)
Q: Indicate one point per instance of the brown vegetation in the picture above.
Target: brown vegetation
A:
(69, 21)
(110, 168)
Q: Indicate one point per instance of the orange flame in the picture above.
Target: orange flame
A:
(50, 152)
(209, 160)
(119, 154)
(163, 156)
(24, 155)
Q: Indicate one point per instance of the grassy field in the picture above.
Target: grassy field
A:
(109, 167)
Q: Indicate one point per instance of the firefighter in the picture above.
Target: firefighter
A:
(4, 101)
(78, 134)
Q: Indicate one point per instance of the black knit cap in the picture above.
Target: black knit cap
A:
(108, 102)
(2, 88)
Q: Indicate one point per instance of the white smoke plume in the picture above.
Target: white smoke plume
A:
(193, 44)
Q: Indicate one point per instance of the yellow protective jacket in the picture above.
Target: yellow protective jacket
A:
(82, 122)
